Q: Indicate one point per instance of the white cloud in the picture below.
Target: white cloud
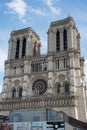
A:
(3, 56)
(38, 11)
(19, 7)
(53, 9)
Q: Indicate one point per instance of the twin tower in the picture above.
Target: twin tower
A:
(54, 80)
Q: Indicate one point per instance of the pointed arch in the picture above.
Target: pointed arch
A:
(58, 41)
(17, 49)
(66, 87)
(58, 88)
(24, 47)
(20, 92)
(65, 39)
(34, 50)
(14, 93)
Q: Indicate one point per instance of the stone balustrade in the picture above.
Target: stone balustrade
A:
(38, 102)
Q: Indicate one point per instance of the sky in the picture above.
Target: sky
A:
(18, 14)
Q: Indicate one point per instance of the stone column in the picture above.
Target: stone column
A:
(72, 73)
(51, 41)
(26, 67)
(9, 49)
(74, 37)
(50, 75)
(5, 87)
(70, 38)
(29, 46)
(25, 87)
(7, 70)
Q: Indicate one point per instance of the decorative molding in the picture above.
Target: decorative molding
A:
(16, 82)
(38, 102)
(61, 77)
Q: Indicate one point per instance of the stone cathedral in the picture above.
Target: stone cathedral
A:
(55, 80)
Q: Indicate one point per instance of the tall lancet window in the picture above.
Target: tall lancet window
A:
(24, 47)
(14, 93)
(17, 49)
(20, 93)
(58, 41)
(66, 87)
(35, 48)
(65, 40)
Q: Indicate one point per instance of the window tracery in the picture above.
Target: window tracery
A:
(39, 66)
(39, 87)
(61, 63)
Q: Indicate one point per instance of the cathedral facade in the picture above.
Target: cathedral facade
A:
(55, 80)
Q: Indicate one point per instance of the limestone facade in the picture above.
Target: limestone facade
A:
(55, 80)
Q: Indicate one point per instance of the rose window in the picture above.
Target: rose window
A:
(39, 87)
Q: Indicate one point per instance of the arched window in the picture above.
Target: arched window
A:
(65, 62)
(20, 93)
(14, 93)
(39, 87)
(36, 67)
(58, 41)
(17, 49)
(24, 47)
(32, 67)
(66, 87)
(58, 88)
(35, 48)
(65, 39)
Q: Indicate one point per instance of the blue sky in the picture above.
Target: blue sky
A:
(18, 14)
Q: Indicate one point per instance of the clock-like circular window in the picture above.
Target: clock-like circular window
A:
(39, 87)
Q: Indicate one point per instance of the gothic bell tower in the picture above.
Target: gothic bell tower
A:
(64, 46)
(23, 44)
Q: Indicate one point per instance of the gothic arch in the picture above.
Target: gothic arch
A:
(23, 47)
(57, 40)
(59, 78)
(17, 48)
(65, 39)
(20, 91)
(14, 92)
(66, 86)
(36, 78)
(16, 84)
(58, 87)
(34, 48)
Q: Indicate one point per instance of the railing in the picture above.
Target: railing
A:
(38, 102)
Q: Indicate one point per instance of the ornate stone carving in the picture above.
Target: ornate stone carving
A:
(61, 78)
(39, 87)
(16, 82)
